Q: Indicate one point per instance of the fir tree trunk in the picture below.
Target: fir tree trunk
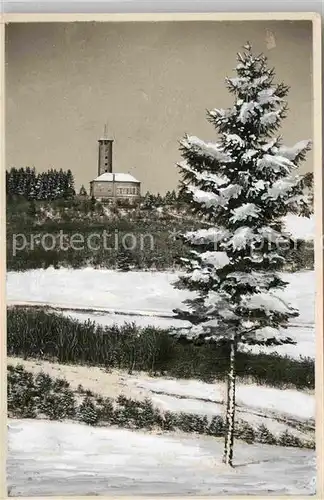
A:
(230, 409)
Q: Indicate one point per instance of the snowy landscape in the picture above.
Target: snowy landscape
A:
(178, 464)
(81, 460)
(187, 369)
(107, 297)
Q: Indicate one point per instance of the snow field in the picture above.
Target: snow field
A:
(147, 295)
(52, 458)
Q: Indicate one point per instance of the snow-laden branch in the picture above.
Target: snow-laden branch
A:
(282, 187)
(267, 302)
(276, 163)
(206, 236)
(216, 179)
(292, 152)
(210, 199)
(210, 150)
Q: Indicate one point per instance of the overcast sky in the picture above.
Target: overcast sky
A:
(151, 82)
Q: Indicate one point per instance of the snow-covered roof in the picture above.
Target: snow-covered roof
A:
(118, 177)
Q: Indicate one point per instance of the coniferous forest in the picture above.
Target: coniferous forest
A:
(51, 185)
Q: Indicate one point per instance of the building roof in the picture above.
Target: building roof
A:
(119, 177)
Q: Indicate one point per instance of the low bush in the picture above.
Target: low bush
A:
(245, 432)
(265, 436)
(88, 412)
(188, 422)
(288, 439)
(30, 395)
(37, 333)
(216, 426)
(136, 414)
(21, 393)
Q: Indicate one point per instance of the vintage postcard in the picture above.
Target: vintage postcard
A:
(163, 216)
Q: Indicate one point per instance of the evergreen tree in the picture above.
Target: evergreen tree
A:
(60, 184)
(8, 187)
(50, 185)
(243, 185)
(246, 433)
(148, 201)
(31, 194)
(265, 436)
(15, 181)
(69, 193)
(173, 196)
(21, 182)
(40, 191)
(124, 260)
(93, 204)
(168, 198)
(158, 200)
(87, 412)
(82, 191)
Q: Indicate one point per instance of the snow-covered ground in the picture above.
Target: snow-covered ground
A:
(288, 402)
(150, 292)
(136, 292)
(51, 458)
(141, 321)
(147, 298)
(277, 409)
(300, 227)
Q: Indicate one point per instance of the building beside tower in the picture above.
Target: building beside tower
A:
(111, 186)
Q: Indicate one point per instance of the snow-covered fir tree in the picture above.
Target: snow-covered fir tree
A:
(83, 191)
(243, 185)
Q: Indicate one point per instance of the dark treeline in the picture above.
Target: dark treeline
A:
(151, 200)
(38, 334)
(50, 185)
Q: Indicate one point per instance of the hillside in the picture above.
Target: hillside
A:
(141, 237)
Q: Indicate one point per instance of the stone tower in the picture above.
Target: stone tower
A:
(105, 155)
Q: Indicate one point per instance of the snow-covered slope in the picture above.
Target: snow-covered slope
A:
(51, 458)
(96, 288)
(279, 410)
(300, 227)
(150, 292)
(147, 296)
(286, 402)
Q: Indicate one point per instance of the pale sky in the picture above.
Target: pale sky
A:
(151, 82)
